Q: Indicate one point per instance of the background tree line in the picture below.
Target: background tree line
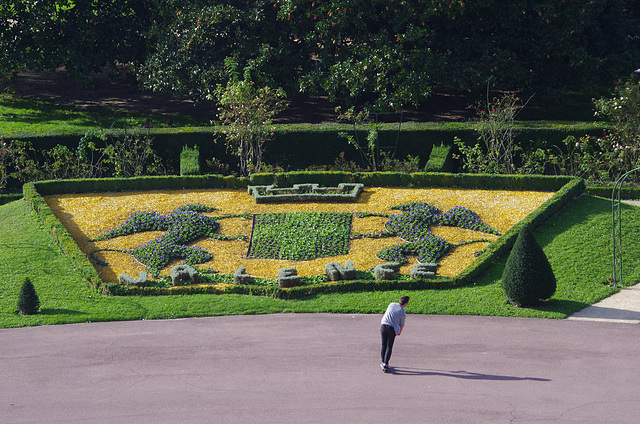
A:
(383, 53)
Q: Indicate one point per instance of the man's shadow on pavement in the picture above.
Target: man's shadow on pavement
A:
(467, 375)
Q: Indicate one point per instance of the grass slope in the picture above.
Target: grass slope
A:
(577, 241)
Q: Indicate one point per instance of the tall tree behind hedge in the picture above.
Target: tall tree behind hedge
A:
(190, 42)
(28, 302)
(81, 35)
(528, 278)
(539, 45)
(388, 54)
(384, 53)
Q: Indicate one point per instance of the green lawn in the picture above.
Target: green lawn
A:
(38, 117)
(577, 241)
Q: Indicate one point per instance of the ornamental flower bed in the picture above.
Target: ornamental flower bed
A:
(300, 236)
(89, 216)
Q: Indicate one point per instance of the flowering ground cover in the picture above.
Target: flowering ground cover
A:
(300, 236)
(87, 216)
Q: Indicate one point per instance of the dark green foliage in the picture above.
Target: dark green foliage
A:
(28, 302)
(528, 277)
(81, 36)
(390, 54)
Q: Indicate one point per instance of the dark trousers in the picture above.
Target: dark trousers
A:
(388, 337)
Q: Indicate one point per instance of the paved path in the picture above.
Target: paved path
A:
(623, 307)
(321, 368)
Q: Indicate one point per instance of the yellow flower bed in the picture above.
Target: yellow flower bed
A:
(89, 215)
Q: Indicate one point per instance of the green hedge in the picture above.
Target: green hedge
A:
(59, 234)
(566, 190)
(190, 161)
(630, 193)
(440, 159)
(8, 198)
(299, 146)
(414, 180)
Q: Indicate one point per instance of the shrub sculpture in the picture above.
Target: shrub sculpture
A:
(528, 278)
(288, 277)
(336, 271)
(127, 280)
(386, 271)
(241, 276)
(183, 272)
(28, 302)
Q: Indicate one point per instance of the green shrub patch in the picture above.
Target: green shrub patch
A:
(300, 236)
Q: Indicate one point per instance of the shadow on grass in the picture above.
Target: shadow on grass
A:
(60, 311)
(568, 307)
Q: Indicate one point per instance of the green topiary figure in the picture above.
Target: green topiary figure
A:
(28, 302)
(528, 278)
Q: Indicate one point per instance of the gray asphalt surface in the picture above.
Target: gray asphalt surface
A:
(321, 368)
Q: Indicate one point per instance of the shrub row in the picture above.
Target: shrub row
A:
(322, 178)
(61, 237)
(630, 193)
(8, 198)
(566, 188)
(414, 180)
(299, 146)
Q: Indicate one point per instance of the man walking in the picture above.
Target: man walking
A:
(391, 326)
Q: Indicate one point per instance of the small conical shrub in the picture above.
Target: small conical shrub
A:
(528, 278)
(28, 302)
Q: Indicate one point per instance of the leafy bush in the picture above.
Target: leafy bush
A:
(496, 130)
(248, 111)
(527, 277)
(28, 302)
(126, 156)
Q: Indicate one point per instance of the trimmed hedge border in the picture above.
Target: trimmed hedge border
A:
(306, 145)
(629, 193)
(8, 198)
(566, 188)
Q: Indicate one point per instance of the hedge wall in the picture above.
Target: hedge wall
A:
(299, 146)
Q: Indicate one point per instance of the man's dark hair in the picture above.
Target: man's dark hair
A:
(404, 300)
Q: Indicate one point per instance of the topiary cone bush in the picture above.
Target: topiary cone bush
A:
(528, 278)
(28, 302)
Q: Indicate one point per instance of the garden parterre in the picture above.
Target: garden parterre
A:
(89, 215)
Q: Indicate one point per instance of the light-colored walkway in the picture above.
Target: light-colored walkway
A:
(621, 307)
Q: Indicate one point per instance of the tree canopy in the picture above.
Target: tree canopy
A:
(81, 35)
(383, 53)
